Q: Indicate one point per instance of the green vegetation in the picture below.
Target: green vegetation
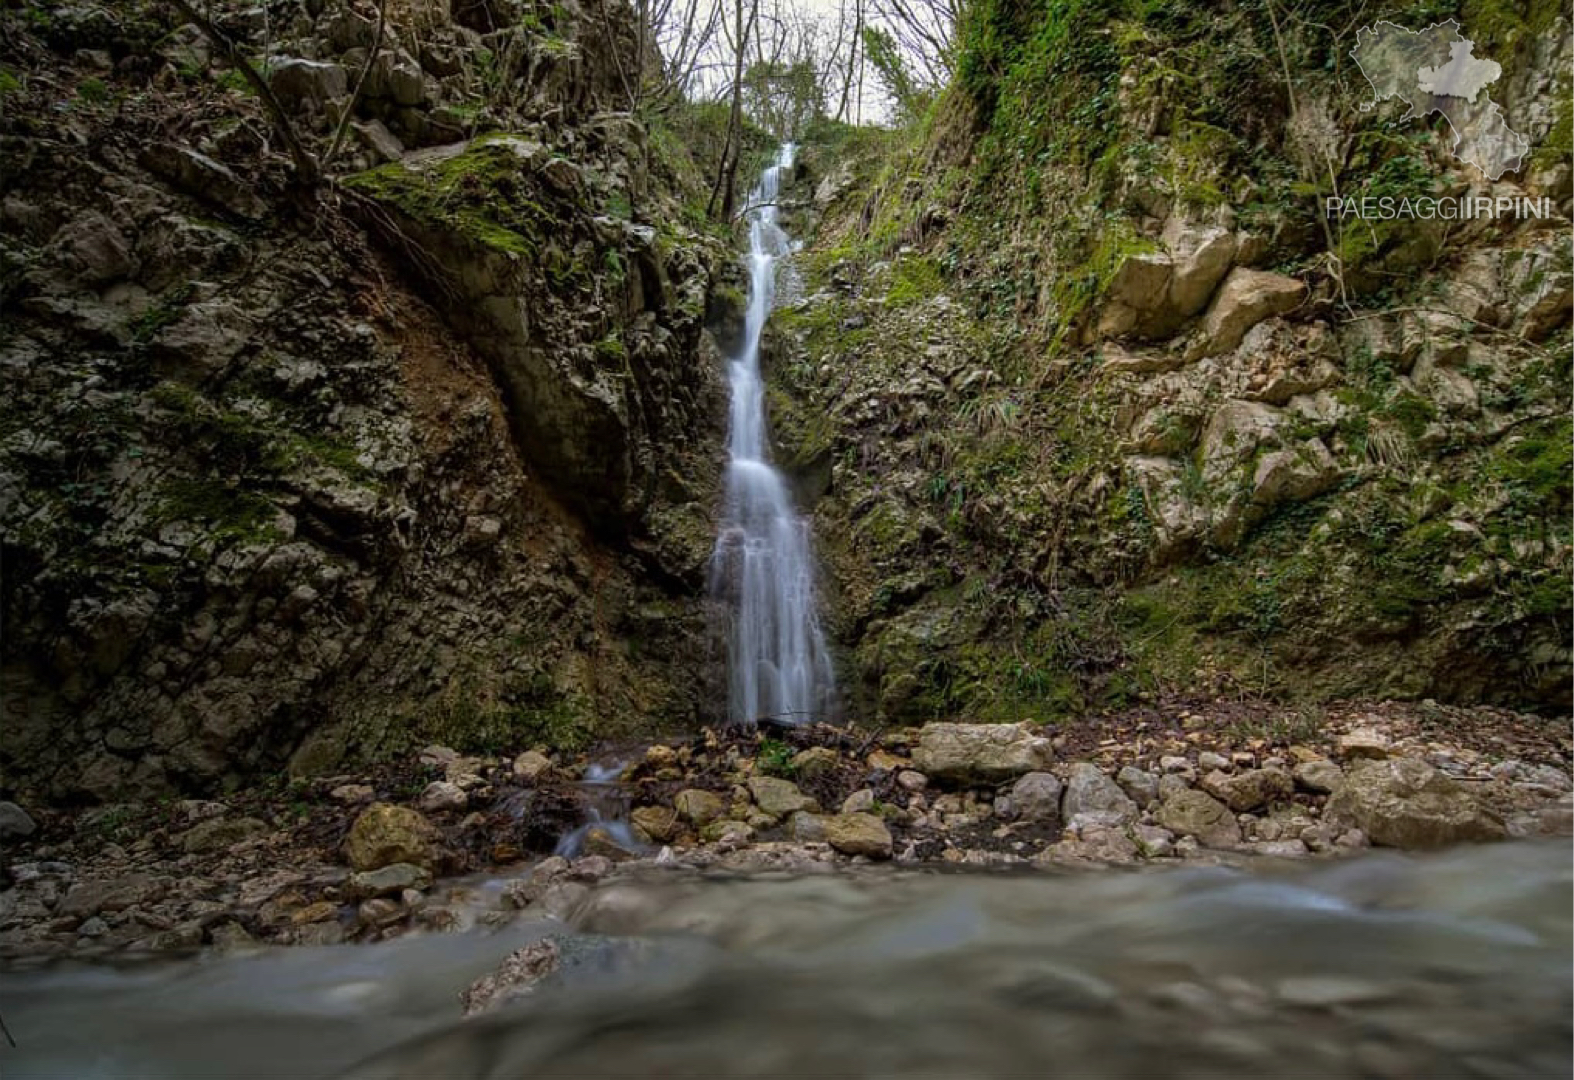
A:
(775, 759)
(481, 194)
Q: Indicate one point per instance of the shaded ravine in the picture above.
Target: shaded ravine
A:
(778, 665)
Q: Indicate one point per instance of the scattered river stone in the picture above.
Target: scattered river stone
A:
(1249, 790)
(1094, 797)
(1140, 785)
(698, 807)
(441, 796)
(1197, 814)
(859, 834)
(216, 834)
(1036, 797)
(1320, 776)
(384, 834)
(388, 880)
(777, 796)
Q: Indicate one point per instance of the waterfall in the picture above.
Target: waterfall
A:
(778, 666)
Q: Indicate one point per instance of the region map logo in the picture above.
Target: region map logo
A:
(1434, 70)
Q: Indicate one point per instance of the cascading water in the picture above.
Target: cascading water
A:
(777, 662)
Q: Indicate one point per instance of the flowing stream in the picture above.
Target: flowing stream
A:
(777, 662)
(1379, 966)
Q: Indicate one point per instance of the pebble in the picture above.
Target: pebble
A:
(1328, 991)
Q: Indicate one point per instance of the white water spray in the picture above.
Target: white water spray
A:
(777, 663)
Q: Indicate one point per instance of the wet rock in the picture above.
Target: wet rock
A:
(986, 753)
(1036, 797)
(550, 961)
(230, 937)
(1328, 991)
(777, 796)
(531, 765)
(388, 881)
(728, 833)
(1280, 848)
(441, 796)
(378, 912)
(698, 807)
(1406, 803)
(318, 911)
(1096, 843)
(658, 823)
(516, 977)
(859, 834)
(87, 898)
(1197, 814)
(385, 834)
(1093, 797)
(602, 842)
(14, 821)
(589, 868)
(1320, 777)
(1249, 790)
(1141, 786)
(217, 834)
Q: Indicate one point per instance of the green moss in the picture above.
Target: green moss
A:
(913, 280)
(233, 514)
(478, 193)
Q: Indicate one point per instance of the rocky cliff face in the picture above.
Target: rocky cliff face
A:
(291, 476)
(1095, 407)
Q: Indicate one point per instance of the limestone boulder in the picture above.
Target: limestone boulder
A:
(1249, 790)
(985, 753)
(1036, 796)
(1200, 255)
(385, 834)
(297, 82)
(1295, 474)
(1197, 814)
(658, 824)
(1246, 298)
(1319, 776)
(698, 807)
(778, 797)
(858, 834)
(1092, 797)
(1406, 803)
